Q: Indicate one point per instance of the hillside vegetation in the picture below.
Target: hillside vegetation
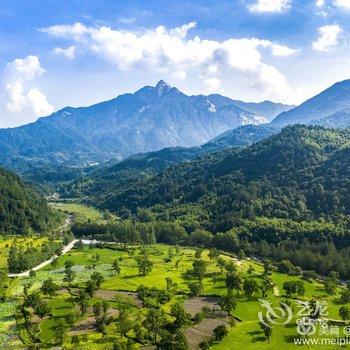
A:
(286, 197)
(22, 209)
(300, 174)
(105, 178)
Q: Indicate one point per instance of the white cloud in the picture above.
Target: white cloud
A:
(328, 37)
(212, 69)
(18, 100)
(323, 10)
(38, 102)
(69, 52)
(75, 31)
(213, 84)
(27, 68)
(342, 3)
(183, 30)
(172, 51)
(276, 49)
(179, 74)
(270, 6)
(22, 98)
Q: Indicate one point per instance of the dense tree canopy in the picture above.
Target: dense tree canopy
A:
(22, 209)
(286, 197)
(300, 174)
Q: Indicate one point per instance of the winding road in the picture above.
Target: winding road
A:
(65, 250)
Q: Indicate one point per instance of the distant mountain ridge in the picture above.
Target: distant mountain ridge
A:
(340, 119)
(148, 120)
(269, 110)
(329, 108)
(105, 178)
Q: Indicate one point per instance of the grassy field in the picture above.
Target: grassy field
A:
(245, 334)
(129, 278)
(81, 211)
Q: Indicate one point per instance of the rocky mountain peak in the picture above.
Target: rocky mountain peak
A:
(162, 87)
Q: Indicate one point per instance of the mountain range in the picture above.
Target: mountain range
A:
(148, 120)
(141, 166)
(158, 117)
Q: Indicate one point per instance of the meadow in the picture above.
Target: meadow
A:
(82, 212)
(168, 262)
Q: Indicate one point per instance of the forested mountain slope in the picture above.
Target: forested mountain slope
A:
(22, 209)
(301, 174)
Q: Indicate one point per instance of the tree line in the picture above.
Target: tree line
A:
(319, 246)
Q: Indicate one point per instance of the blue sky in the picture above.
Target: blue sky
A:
(59, 53)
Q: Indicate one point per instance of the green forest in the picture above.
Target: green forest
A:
(22, 210)
(286, 197)
(173, 230)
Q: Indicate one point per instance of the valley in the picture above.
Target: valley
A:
(106, 296)
(174, 175)
(239, 240)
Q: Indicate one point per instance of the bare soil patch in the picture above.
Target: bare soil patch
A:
(111, 294)
(196, 304)
(83, 326)
(113, 312)
(204, 330)
(106, 294)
